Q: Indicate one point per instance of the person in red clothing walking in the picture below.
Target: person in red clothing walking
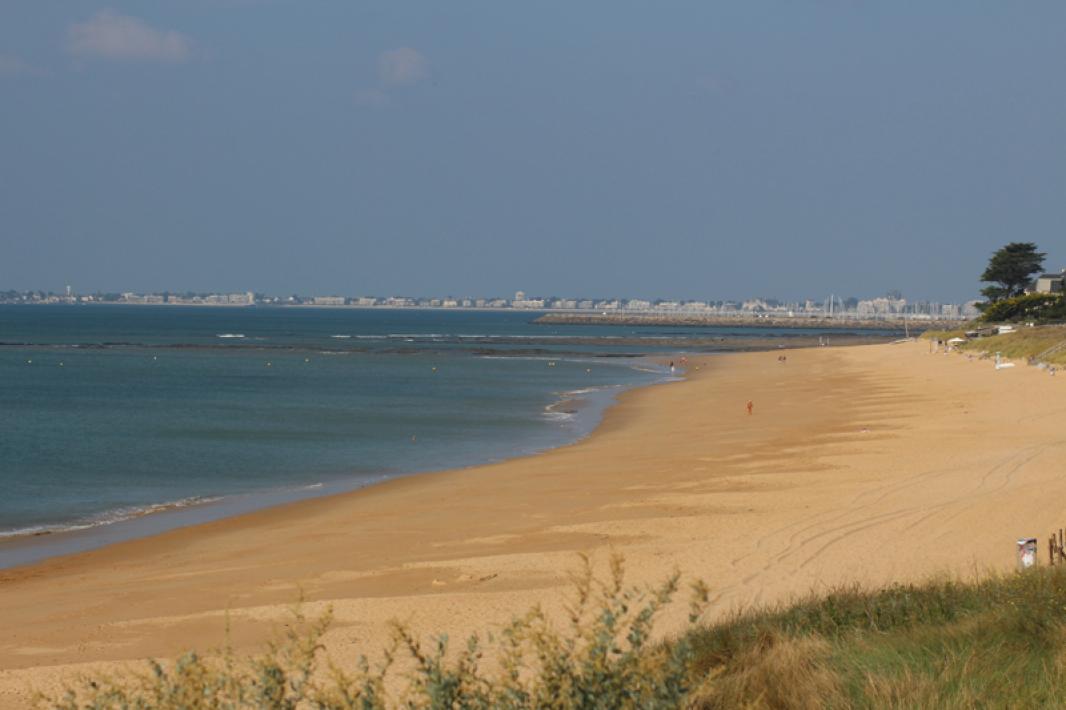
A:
(751, 406)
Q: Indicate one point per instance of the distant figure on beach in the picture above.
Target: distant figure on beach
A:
(751, 406)
(671, 367)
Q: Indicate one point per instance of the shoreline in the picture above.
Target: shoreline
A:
(45, 541)
(586, 408)
(855, 463)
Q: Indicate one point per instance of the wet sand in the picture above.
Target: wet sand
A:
(866, 464)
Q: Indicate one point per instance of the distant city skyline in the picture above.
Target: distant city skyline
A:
(699, 150)
(464, 293)
(890, 306)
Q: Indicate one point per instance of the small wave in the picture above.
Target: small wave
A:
(35, 530)
(657, 370)
(548, 336)
(345, 337)
(537, 358)
(230, 335)
(108, 517)
(588, 390)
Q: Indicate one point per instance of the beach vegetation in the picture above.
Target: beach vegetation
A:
(1044, 344)
(602, 656)
(947, 334)
(998, 641)
(993, 642)
(1030, 307)
(1010, 270)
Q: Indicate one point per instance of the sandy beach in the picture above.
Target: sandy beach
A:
(865, 464)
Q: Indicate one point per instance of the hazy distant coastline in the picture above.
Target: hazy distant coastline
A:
(747, 321)
(890, 307)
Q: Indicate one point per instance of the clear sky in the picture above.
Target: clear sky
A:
(604, 148)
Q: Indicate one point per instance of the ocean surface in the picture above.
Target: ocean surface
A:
(120, 421)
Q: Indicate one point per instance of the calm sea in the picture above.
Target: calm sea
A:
(108, 413)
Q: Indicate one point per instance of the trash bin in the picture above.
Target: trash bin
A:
(1026, 552)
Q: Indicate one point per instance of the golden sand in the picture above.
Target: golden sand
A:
(869, 464)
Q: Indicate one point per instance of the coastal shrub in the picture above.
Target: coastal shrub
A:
(993, 642)
(1039, 307)
(602, 658)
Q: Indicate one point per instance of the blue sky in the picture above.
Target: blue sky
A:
(676, 149)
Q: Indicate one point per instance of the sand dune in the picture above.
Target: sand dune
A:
(868, 464)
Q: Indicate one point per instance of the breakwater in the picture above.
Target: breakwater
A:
(752, 321)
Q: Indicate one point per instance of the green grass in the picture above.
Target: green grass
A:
(996, 642)
(1024, 343)
(949, 334)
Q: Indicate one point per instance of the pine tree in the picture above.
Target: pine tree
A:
(1011, 270)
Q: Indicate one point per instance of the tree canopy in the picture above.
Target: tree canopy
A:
(1011, 270)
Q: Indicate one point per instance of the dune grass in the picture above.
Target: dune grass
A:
(948, 334)
(996, 642)
(1025, 343)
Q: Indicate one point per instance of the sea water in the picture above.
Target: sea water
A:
(127, 420)
(109, 413)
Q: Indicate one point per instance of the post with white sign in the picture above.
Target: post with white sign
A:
(1026, 552)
